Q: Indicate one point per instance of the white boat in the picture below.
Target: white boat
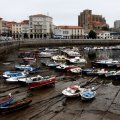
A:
(76, 70)
(77, 60)
(45, 54)
(88, 94)
(73, 91)
(110, 73)
(59, 58)
(101, 72)
(9, 74)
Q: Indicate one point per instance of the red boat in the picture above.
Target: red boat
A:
(38, 81)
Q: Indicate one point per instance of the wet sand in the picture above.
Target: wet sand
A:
(49, 103)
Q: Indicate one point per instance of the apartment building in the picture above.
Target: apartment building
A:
(20, 30)
(40, 26)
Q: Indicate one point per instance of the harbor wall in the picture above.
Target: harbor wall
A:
(8, 46)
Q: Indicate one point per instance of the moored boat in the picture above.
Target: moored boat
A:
(6, 100)
(88, 94)
(38, 81)
(76, 70)
(73, 91)
(16, 105)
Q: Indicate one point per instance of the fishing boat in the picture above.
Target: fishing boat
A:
(116, 75)
(45, 55)
(73, 91)
(38, 81)
(64, 67)
(89, 71)
(76, 70)
(6, 100)
(109, 73)
(88, 94)
(29, 59)
(76, 60)
(22, 67)
(101, 72)
(9, 74)
(16, 105)
(59, 58)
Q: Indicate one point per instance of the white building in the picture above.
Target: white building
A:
(40, 26)
(69, 32)
(104, 35)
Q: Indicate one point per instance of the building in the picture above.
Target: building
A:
(104, 35)
(5, 28)
(40, 26)
(0, 26)
(117, 26)
(20, 30)
(69, 32)
(89, 21)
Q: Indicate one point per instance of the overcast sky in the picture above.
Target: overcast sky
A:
(64, 12)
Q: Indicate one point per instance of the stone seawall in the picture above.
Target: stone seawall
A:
(8, 46)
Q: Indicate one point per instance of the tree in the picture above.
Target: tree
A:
(106, 28)
(92, 34)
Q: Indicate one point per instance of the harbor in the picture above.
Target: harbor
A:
(49, 102)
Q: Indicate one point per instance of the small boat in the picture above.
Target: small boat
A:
(101, 72)
(64, 67)
(45, 55)
(33, 70)
(76, 70)
(6, 100)
(88, 94)
(38, 81)
(29, 59)
(116, 75)
(73, 91)
(23, 67)
(16, 105)
(109, 73)
(59, 58)
(9, 74)
(77, 60)
(73, 54)
(89, 71)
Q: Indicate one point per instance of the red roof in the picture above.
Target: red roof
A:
(25, 22)
(70, 27)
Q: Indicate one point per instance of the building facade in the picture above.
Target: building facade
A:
(40, 26)
(89, 21)
(20, 30)
(104, 35)
(69, 32)
(0, 26)
(117, 26)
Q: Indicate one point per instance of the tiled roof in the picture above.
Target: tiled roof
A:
(70, 27)
(25, 22)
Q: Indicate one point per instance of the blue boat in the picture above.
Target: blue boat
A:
(6, 100)
(23, 67)
(89, 71)
(9, 74)
(116, 75)
(33, 70)
(88, 94)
